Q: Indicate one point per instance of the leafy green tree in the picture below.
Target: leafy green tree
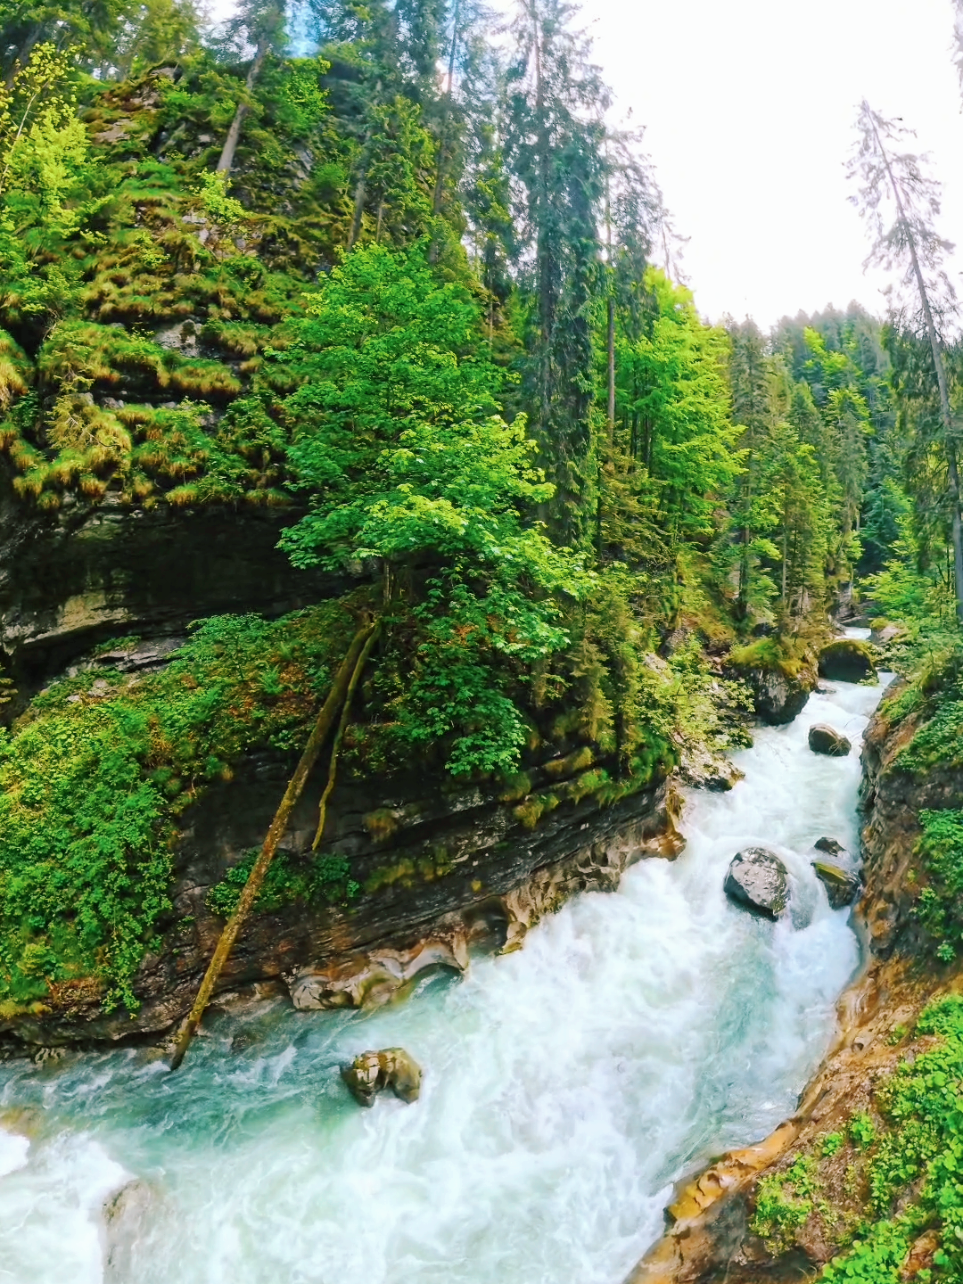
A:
(398, 440)
(672, 389)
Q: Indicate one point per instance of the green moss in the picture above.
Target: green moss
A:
(403, 871)
(561, 768)
(516, 786)
(768, 653)
(95, 773)
(381, 824)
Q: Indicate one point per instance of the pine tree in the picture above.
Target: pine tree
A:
(889, 178)
(554, 150)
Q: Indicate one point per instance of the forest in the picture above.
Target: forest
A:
(388, 271)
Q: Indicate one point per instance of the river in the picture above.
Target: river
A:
(567, 1086)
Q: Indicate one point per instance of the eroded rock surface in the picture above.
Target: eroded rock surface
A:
(392, 1070)
(758, 881)
(453, 868)
(842, 886)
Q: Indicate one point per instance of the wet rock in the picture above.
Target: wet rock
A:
(882, 633)
(704, 769)
(779, 689)
(758, 880)
(125, 1215)
(829, 846)
(846, 660)
(827, 740)
(842, 886)
(778, 697)
(373, 1072)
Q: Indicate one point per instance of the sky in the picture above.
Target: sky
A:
(748, 107)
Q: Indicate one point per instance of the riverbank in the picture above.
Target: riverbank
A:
(567, 1086)
(843, 1179)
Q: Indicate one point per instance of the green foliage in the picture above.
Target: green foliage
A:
(325, 879)
(95, 774)
(862, 1131)
(833, 1142)
(397, 439)
(671, 391)
(916, 1164)
(940, 905)
(784, 1202)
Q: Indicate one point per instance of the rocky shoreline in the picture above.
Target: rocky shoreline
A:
(709, 1234)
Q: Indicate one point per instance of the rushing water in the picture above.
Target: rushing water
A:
(566, 1086)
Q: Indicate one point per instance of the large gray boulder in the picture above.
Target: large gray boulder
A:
(827, 740)
(373, 1072)
(758, 881)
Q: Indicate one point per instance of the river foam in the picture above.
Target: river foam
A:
(566, 1086)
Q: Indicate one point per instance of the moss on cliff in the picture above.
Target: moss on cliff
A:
(95, 774)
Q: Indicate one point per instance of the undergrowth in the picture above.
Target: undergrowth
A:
(95, 775)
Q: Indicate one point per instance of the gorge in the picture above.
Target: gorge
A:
(567, 1086)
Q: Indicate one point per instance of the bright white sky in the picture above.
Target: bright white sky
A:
(749, 107)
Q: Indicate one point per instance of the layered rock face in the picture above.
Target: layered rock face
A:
(71, 579)
(439, 871)
(711, 1235)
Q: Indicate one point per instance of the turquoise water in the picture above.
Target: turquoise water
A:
(566, 1086)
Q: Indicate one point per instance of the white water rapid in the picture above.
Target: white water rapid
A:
(566, 1086)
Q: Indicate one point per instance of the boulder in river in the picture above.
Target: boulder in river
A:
(758, 880)
(830, 846)
(827, 740)
(846, 660)
(373, 1072)
(884, 632)
(842, 886)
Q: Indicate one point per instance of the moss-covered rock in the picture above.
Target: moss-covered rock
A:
(780, 683)
(847, 660)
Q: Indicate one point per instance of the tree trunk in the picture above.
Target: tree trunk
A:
(610, 307)
(22, 54)
(945, 411)
(226, 162)
(445, 129)
(329, 711)
(339, 736)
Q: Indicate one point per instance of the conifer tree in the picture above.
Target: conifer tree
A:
(894, 180)
(555, 99)
(749, 377)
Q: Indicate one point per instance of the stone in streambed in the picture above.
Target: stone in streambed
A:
(827, 740)
(842, 886)
(829, 846)
(847, 660)
(758, 881)
(373, 1072)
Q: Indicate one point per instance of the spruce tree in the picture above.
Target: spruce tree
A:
(900, 201)
(554, 149)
